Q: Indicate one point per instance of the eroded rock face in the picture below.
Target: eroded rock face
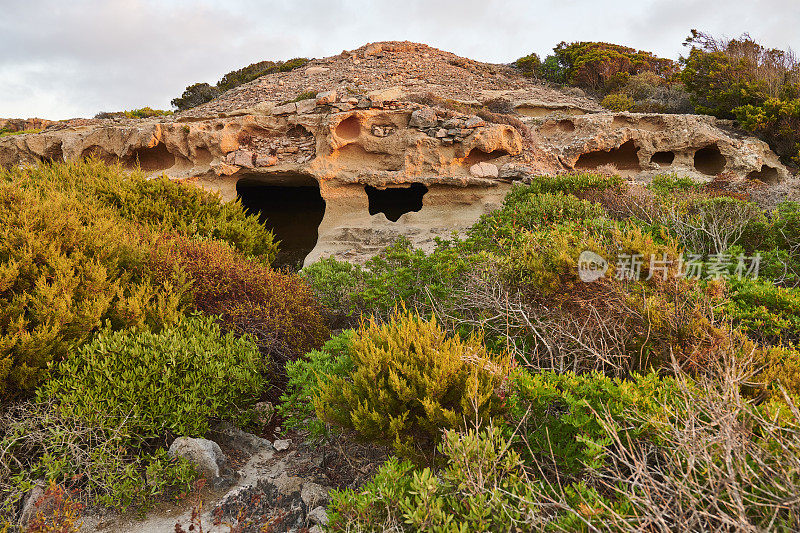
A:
(388, 163)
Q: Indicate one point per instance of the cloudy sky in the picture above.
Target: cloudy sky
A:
(69, 58)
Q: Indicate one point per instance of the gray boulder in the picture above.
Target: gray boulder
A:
(206, 456)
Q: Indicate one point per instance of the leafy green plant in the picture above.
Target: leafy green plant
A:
(777, 122)
(159, 385)
(97, 464)
(526, 210)
(666, 184)
(306, 376)
(334, 283)
(765, 312)
(483, 487)
(409, 381)
(562, 417)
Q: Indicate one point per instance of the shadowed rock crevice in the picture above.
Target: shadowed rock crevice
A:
(663, 159)
(349, 128)
(623, 158)
(394, 202)
(151, 159)
(709, 160)
(767, 174)
(476, 155)
(293, 210)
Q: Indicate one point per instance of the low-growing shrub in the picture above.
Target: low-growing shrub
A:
(334, 283)
(562, 417)
(95, 463)
(159, 385)
(305, 378)
(780, 371)
(665, 184)
(483, 487)
(528, 211)
(159, 204)
(763, 311)
(618, 102)
(276, 309)
(66, 268)
(409, 381)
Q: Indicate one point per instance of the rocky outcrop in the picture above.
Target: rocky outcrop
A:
(399, 159)
(24, 124)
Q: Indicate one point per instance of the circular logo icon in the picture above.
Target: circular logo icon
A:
(591, 266)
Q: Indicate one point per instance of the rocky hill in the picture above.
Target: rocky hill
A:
(349, 152)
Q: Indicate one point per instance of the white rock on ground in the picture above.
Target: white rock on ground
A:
(204, 454)
(282, 445)
(318, 516)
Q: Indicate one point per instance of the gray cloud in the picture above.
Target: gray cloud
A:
(61, 59)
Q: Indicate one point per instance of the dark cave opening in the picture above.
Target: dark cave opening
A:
(292, 211)
(624, 157)
(394, 202)
(663, 159)
(709, 160)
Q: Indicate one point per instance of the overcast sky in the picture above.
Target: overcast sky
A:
(69, 58)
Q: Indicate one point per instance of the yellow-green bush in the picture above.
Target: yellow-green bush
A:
(618, 102)
(65, 269)
(781, 368)
(161, 205)
(409, 381)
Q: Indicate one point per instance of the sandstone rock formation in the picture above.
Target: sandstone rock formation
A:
(400, 139)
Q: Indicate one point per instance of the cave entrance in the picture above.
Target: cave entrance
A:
(624, 157)
(292, 207)
(394, 202)
(709, 160)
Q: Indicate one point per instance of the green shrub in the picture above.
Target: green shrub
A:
(593, 65)
(97, 464)
(7, 133)
(159, 385)
(483, 487)
(562, 417)
(66, 268)
(573, 183)
(739, 78)
(305, 95)
(777, 122)
(200, 93)
(401, 274)
(306, 376)
(780, 370)
(524, 210)
(409, 381)
(195, 95)
(277, 309)
(618, 102)
(334, 283)
(159, 204)
(665, 184)
(766, 313)
(530, 65)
